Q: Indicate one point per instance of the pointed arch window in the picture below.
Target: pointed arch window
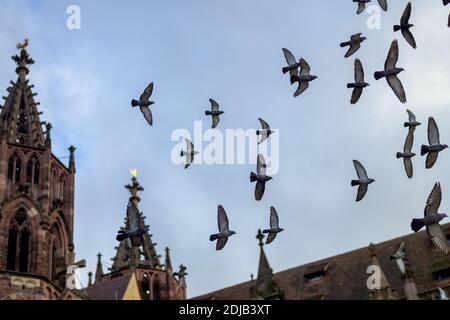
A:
(33, 167)
(145, 287)
(14, 168)
(156, 289)
(19, 242)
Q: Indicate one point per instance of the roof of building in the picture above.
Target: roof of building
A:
(110, 289)
(344, 276)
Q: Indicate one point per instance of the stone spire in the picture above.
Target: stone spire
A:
(99, 270)
(90, 278)
(168, 262)
(128, 256)
(72, 159)
(383, 291)
(19, 119)
(265, 286)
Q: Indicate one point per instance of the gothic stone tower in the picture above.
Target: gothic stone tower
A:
(36, 198)
(137, 272)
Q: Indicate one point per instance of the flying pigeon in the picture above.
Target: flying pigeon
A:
(445, 2)
(432, 219)
(261, 178)
(359, 84)
(407, 154)
(405, 26)
(224, 231)
(134, 229)
(363, 180)
(303, 79)
(442, 293)
(274, 227)
(189, 153)
(361, 5)
(399, 257)
(354, 43)
(412, 122)
(144, 103)
(383, 4)
(293, 65)
(215, 113)
(390, 72)
(435, 146)
(265, 132)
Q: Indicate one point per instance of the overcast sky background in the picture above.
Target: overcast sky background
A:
(231, 51)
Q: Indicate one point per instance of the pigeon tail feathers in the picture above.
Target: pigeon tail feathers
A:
(122, 236)
(213, 237)
(417, 224)
(378, 75)
(424, 150)
(182, 153)
(397, 27)
(399, 155)
(355, 183)
(134, 103)
(208, 113)
(350, 85)
(285, 70)
(253, 177)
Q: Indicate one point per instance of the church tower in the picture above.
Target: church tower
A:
(36, 197)
(137, 272)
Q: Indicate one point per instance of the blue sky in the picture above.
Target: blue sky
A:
(231, 51)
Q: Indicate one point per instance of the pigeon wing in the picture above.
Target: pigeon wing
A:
(433, 132)
(264, 125)
(397, 86)
(408, 167)
(434, 200)
(270, 237)
(221, 242)
(356, 94)
(290, 59)
(259, 190)
(304, 68)
(302, 86)
(409, 142)
(438, 237)
(406, 14)
(353, 48)
(409, 38)
(360, 170)
(356, 36)
(361, 7)
(401, 265)
(132, 216)
(359, 71)
(214, 105)
(383, 4)
(261, 165)
(273, 218)
(189, 145)
(147, 114)
(145, 96)
(431, 159)
(222, 219)
(215, 121)
(411, 116)
(362, 189)
(392, 57)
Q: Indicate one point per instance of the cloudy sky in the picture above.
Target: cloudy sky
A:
(231, 51)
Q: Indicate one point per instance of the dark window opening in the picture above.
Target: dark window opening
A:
(12, 246)
(145, 287)
(315, 276)
(19, 243)
(29, 171)
(11, 164)
(17, 170)
(33, 168)
(442, 274)
(23, 257)
(37, 168)
(156, 290)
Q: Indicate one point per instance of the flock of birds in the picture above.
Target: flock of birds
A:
(300, 73)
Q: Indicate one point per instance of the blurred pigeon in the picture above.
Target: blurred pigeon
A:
(303, 79)
(359, 84)
(383, 4)
(412, 122)
(435, 146)
(405, 26)
(432, 219)
(134, 231)
(363, 180)
(261, 178)
(144, 103)
(293, 65)
(224, 231)
(390, 72)
(189, 153)
(445, 2)
(354, 43)
(274, 227)
(407, 154)
(361, 5)
(399, 257)
(215, 113)
(442, 293)
(265, 132)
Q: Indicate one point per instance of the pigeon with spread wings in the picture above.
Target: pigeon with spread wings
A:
(432, 219)
(390, 72)
(435, 146)
(412, 122)
(303, 78)
(407, 154)
(354, 44)
(134, 231)
(260, 177)
(144, 103)
(265, 132)
(215, 113)
(224, 230)
(189, 153)
(404, 26)
(359, 83)
(293, 65)
(399, 257)
(363, 180)
(274, 226)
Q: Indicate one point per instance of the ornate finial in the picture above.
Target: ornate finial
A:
(72, 149)
(22, 45)
(133, 172)
(260, 237)
(134, 187)
(99, 256)
(90, 278)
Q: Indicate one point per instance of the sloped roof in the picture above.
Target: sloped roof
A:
(110, 289)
